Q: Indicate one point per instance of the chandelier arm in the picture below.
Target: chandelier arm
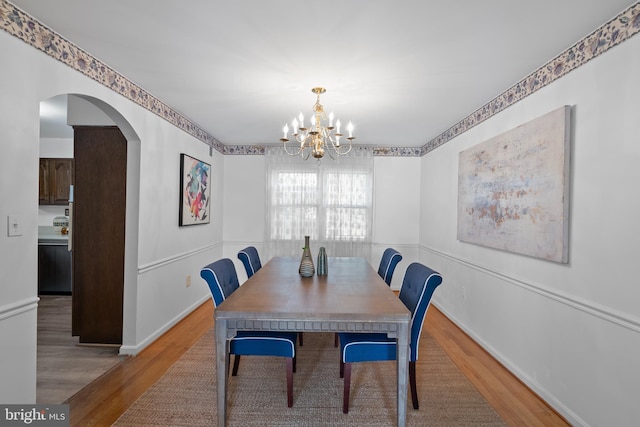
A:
(344, 153)
(330, 153)
(286, 149)
(340, 149)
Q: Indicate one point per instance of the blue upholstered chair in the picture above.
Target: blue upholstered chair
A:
(222, 279)
(251, 260)
(417, 289)
(390, 258)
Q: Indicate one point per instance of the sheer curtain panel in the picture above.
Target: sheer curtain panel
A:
(330, 201)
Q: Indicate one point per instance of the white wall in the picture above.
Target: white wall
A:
(159, 254)
(396, 211)
(569, 331)
(243, 208)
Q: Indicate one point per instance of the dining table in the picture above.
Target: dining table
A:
(351, 297)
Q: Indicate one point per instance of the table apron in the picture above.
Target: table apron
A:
(388, 327)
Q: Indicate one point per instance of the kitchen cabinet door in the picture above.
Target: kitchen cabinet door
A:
(56, 175)
(54, 270)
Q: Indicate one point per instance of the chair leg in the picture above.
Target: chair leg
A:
(294, 363)
(347, 386)
(301, 338)
(335, 340)
(341, 368)
(290, 364)
(236, 363)
(412, 381)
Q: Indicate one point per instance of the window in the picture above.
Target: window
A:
(346, 205)
(330, 202)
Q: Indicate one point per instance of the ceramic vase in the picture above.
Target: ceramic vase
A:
(306, 263)
(322, 262)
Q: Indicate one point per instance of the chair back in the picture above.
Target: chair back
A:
(390, 258)
(250, 259)
(417, 289)
(222, 279)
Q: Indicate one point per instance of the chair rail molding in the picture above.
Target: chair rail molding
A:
(18, 307)
(624, 320)
(145, 268)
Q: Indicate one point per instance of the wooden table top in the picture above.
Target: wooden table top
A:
(352, 290)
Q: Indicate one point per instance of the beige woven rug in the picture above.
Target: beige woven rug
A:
(186, 394)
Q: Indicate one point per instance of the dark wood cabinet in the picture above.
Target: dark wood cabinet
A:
(54, 270)
(56, 175)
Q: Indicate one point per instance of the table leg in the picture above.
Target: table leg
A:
(222, 371)
(403, 369)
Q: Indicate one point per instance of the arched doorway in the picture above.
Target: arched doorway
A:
(82, 110)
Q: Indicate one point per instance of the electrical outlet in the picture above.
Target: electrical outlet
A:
(188, 280)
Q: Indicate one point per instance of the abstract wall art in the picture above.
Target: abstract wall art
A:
(194, 191)
(513, 189)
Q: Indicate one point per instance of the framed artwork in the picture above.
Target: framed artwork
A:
(195, 192)
(513, 189)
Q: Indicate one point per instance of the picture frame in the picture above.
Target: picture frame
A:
(195, 191)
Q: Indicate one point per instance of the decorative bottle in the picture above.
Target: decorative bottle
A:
(322, 262)
(306, 263)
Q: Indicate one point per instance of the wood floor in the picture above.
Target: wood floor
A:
(103, 400)
(63, 366)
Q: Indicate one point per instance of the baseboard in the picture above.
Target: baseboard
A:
(133, 350)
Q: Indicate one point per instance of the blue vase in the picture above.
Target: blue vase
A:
(322, 262)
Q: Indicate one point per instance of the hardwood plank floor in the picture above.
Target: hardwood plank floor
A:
(511, 398)
(63, 366)
(105, 399)
(102, 401)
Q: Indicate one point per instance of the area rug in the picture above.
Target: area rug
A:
(186, 394)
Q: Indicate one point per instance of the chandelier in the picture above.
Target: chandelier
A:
(318, 139)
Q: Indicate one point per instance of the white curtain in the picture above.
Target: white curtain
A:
(330, 201)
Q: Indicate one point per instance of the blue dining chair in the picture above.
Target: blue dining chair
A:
(417, 289)
(222, 279)
(390, 258)
(250, 259)
(388, 262)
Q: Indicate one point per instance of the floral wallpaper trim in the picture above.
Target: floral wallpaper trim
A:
(243, 150)
(23, 26)
(614, 32)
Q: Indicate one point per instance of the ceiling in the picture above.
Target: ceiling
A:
(402, 71)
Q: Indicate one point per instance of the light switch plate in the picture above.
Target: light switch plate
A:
(14, 226)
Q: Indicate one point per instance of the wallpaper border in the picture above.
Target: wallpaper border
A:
(28, 29)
